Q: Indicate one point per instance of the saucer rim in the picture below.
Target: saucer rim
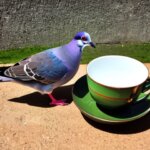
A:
(97, 119)
(113, 121)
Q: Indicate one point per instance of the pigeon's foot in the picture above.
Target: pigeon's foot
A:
(55, 102)
(58, 103)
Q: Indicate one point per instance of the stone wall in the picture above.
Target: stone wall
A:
(45, 22)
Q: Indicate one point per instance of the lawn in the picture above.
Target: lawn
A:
(137, 51)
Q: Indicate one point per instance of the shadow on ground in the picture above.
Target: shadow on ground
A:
(132, 127)
(39, 100)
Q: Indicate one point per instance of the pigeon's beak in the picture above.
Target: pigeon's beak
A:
(92, 44)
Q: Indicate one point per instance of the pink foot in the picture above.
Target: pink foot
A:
(56, 102)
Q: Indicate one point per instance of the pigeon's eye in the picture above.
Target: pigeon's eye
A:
(84, 38)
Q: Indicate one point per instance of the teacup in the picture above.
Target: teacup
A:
(116, 81)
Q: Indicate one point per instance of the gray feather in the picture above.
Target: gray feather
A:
(5, 79)
(43, 67)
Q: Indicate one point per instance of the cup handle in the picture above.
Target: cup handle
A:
(146, 86)
(145, 90)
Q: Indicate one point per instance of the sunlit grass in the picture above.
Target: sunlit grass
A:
(137, 51)
(140, 52)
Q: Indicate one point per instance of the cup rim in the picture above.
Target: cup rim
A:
(117, 87)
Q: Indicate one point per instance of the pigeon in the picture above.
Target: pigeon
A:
(50, 68)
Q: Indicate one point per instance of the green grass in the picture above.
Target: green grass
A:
(14, 55)
(140, 52)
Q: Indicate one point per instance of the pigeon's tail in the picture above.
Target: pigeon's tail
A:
(3, 78)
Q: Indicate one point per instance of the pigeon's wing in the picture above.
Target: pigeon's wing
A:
(43, 67)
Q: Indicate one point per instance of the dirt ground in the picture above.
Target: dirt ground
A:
(27, 122)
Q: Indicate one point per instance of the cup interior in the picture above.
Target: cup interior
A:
(117, 71)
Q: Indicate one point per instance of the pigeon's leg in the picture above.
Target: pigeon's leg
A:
(56, 102)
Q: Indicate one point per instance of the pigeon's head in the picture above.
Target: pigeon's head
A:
(83, 39)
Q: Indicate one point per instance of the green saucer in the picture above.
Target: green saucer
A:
(91, 109)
